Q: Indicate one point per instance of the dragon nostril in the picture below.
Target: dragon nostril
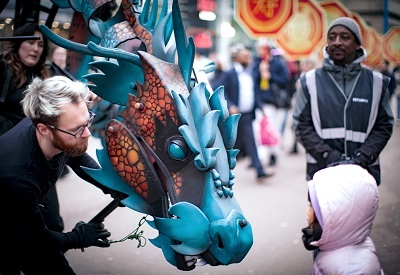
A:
(243, 223)
(220, 243)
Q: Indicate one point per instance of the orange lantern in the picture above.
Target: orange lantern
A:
(371, 41)
(363, 27)
(304, 33)
(373, 46)
(262, 18)
(334, 9)
(391, 45)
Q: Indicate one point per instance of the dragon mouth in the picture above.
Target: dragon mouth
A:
(210, 259)
(161, 172)
(199, 260)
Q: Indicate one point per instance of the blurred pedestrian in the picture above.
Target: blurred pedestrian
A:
(342, 109)
(384, 68)
(396, 72)
(22, 61)
(58, 61)
(295, 72)
(242, 98)
(275, 95)
(54, 133)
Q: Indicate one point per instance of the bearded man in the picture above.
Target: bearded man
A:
(33, 155)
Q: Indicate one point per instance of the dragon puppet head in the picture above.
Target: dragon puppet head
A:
(171, 150)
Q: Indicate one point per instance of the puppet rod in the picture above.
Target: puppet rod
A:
(107, 210)
(13, 38)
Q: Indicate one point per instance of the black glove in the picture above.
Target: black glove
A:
(362, 159)
(330, 157)
(91, 234)
(311, 235)
(340, 162)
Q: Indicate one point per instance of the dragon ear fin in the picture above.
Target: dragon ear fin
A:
(131, 162)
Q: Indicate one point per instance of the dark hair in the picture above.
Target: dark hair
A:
(386, 62)
(11, 55)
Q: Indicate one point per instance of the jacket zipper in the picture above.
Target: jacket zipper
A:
(344, 156)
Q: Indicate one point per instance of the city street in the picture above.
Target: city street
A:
(276, 210)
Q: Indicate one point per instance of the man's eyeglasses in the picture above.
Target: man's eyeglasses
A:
(80, 131)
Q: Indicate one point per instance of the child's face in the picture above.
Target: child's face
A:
(310, 214)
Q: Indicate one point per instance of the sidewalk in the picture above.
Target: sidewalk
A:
(276, 210)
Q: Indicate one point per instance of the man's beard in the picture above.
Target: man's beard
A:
(72, 150)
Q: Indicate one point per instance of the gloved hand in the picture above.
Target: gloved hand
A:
(362, 159)
(91, 234)
(340, 162)
(311, 234)
(329, 157)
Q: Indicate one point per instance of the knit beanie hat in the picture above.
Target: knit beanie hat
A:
(348, 23)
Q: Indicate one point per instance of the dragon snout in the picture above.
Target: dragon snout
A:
(223, 241)
(231, 238)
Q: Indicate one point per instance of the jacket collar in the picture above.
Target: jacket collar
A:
(353, 68)
(238, 67)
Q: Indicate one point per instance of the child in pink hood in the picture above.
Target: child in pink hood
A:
(343, 204)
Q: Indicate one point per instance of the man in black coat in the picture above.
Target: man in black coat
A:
(241, 98)
(33, 155)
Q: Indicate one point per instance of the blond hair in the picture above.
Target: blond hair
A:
(44, 99)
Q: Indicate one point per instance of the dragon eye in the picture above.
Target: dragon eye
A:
(178, 149)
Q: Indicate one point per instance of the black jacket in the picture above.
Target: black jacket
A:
(25, 179)
(343, 112)
(229, 79)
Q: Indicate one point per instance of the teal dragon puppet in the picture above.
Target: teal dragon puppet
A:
(171, 150)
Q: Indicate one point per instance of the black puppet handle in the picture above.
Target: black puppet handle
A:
(13, 38)
(99, 218)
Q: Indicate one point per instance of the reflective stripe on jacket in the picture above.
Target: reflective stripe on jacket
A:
(341, 109)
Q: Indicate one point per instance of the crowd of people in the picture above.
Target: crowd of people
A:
(270, 81)
(341, 117)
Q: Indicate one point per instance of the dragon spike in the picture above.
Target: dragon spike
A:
(67, 44)
(185, 47)
(164, 32)
(229, 130)
(199, 100)
(218, 102)
(180, 101)
(124, 73)
(114, 53)
(150, 22)
(198, 118)
(227, 124)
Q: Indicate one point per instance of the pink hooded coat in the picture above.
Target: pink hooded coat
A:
(345, 200)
